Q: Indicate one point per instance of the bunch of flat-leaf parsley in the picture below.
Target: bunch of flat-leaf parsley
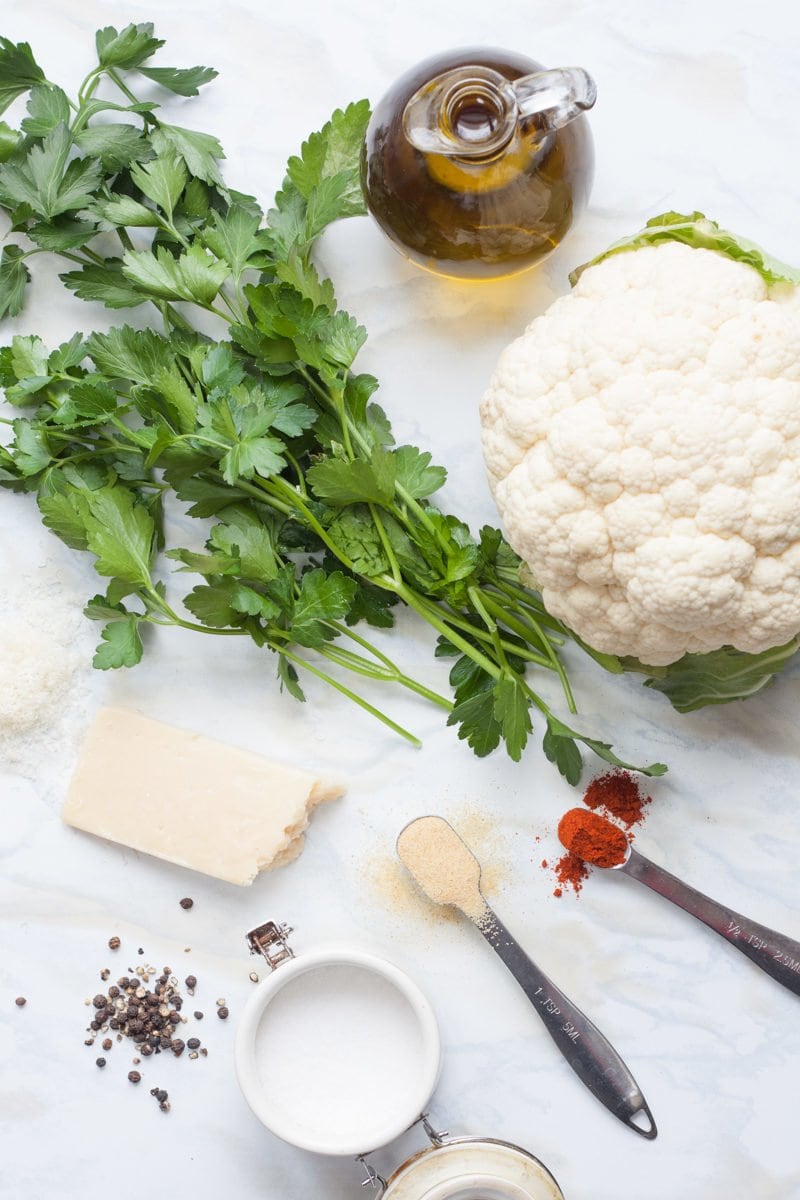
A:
(314, 520)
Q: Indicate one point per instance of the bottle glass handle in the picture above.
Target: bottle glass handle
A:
(555, 97)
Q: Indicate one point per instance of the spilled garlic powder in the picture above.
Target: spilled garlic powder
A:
(442, 864)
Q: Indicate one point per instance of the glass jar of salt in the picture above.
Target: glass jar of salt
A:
(338, 1052)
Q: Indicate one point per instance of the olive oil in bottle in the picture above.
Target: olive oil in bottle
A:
(477, 162)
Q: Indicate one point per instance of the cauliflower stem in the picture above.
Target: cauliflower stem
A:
(698, 680)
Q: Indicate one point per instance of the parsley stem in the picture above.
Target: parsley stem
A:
(112, 74)
(226, 300)
(158, 602)
(432, 616)
(392, 583)
(524, 630)
(459, 622)
(277, 486)
(243, 485)
(89, 85)
(341, 410)
(490, 624)
(362, 666)
(523, 625)
(351, 695)
(529, 599)
(536, 699)
(394, 671)
(76, 258)
(97, 259)
(177, 319)
(298, 470)
(397, 574)
(179, 621)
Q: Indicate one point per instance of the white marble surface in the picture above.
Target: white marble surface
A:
(697, 109)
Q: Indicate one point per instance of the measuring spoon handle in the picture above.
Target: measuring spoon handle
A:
(591, 1056)
(774, 953)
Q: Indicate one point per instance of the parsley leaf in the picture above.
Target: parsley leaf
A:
(511, 711)
(322, 598)
(68, 355)
(194, 276)
(120, 533)
(333, 153)
(124, 210)
(104, 283)
(19, 71)
(288, 678)
(212, 604)
(46, 181)
(342, 482)
(476, 721)
(356, 536)
(559, 745)
(244, 537)
(28, 357)
(235, 238)
(560, 748)
(31, 448)
(162, 180)
(184, 81)
(168, 394)
(415, 473)
(64, 233)
(126, 353)
(126, 48)
(47, 107)
(60, 514)
(302, 276)
(117, 146)
(14, 276)
(199, 151)
(9, 140)
(121, 645)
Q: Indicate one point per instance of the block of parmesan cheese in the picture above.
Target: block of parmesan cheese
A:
(189, 799)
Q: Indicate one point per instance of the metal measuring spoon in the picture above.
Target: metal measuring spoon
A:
(774, 953)
(449, 873)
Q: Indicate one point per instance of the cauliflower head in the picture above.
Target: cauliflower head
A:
(642, 439)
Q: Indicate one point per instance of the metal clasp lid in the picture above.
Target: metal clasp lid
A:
(436, 1137)
(271, 941)
(371, 1177)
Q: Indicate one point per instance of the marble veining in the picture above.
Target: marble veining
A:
(696, 109)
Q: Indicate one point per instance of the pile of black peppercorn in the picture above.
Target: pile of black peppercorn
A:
(145, 1008)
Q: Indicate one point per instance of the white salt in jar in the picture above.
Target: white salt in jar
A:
(338, 1052)
(319, 1038)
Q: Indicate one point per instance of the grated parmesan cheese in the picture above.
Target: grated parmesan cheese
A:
(45, 664)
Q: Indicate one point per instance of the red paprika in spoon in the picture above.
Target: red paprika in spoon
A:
(592, 838)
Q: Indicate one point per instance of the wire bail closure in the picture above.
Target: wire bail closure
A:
(270, 940)
(436, 1137)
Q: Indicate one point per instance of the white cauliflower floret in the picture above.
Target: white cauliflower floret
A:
(643, 445)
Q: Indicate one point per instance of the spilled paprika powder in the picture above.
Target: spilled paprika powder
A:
(618, 793)
(615, 794)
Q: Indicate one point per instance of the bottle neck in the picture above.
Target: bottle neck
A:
(467, 113)
(472, 112)
(478, 119)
